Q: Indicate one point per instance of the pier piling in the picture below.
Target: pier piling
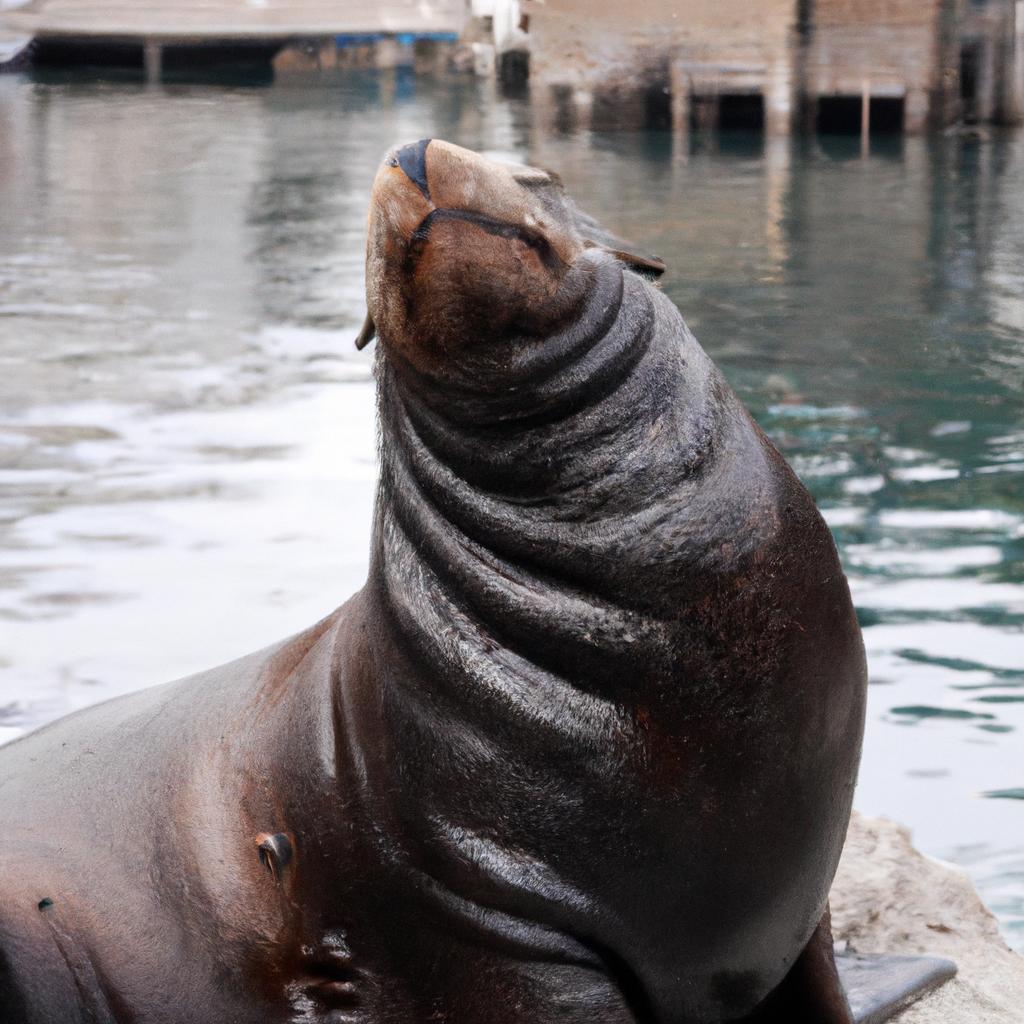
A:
(153, 59)
(865, 117)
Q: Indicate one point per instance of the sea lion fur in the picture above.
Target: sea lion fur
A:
(582, 749)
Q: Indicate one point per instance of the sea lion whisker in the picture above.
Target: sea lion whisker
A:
(366, 333)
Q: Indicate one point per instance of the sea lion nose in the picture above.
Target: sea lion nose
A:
(413, 160)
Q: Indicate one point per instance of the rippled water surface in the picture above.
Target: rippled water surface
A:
(187, 435)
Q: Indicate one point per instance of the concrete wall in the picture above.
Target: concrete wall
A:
(894, 48)
(793, 52)
(990, 34)
(1018, 83)
(504, 15)
(698, 49)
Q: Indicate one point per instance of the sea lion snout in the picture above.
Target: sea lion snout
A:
(413, 160)
(463, 249)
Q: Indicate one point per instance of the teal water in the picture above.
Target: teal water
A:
(186, 434)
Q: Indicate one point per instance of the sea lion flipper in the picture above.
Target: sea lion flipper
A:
(812, 992)
(852, 988)
(366, 334)
(880, 987)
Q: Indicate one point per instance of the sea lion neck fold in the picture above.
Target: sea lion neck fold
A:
(541, 516)
(591, 423)
(513, 380)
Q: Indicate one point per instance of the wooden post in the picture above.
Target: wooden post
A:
(809, 114)
(865, 118)
(544, 107)
(1018, 56)
(916, 109)
(779, 100)
(327, 55)
(582, 108)
(706, 111)
(679, 86)
(153, 58)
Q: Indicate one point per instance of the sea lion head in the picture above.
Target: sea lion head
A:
(462, 248)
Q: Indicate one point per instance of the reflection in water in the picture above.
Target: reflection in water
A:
(186, 440)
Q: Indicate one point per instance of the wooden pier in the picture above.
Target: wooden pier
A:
(848, 66)
(156, 26)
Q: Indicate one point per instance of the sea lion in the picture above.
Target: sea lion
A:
(582, 749)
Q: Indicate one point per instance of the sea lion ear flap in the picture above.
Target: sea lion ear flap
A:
(596, 236)
(367, 334)
(651, 267)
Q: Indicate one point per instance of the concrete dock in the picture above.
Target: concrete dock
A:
(129, 32)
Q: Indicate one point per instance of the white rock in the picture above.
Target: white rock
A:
(890, 898)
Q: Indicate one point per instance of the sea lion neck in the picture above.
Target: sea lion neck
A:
(483, 381)
(558, 486)
(528, 571)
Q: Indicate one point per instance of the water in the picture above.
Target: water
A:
(186, 433)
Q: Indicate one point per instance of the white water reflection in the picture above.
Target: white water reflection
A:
(897, 558)
(946, 519)
(180, 539)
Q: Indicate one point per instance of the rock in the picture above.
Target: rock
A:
(15, 51)
(889, 898)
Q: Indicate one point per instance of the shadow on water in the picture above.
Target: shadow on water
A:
(238, 77)
(186, 428)
(58, 61)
